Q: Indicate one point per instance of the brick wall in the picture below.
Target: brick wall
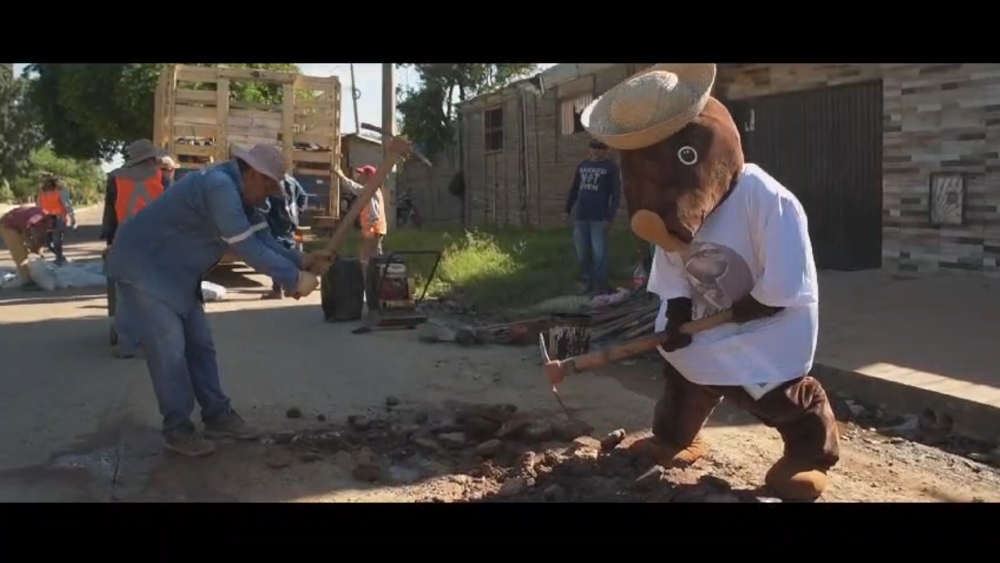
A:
(937, 118)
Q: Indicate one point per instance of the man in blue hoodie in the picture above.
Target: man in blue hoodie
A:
(596, 193)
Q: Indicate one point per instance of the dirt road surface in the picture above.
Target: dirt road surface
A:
(79, 425)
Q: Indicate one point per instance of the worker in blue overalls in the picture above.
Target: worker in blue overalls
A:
(282, 215)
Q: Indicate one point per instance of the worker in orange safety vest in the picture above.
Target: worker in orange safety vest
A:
(54, 199)
(373, 224)
(129, 190)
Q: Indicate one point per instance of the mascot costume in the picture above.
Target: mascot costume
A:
(728, 237)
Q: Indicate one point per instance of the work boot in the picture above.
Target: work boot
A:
(188, 442)
(230, 425)
(120, 353)
(273, 294)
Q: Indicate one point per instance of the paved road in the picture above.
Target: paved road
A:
(80, 425)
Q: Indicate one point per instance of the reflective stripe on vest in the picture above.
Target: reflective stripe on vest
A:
(137, 187)
(366, 221)
(51, 202)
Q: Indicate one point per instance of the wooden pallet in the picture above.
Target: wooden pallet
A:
(198, 122)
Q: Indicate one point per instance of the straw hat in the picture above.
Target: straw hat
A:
(650, 106)
(141, 150)
(266, 159)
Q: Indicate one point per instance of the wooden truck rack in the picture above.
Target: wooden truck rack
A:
(198, 121)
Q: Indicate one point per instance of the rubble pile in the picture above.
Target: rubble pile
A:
(493, 453)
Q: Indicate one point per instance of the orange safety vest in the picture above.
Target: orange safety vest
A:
(367, 228)
(137, 187)
(51, 202)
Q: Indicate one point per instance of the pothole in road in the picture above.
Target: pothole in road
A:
(491, 452)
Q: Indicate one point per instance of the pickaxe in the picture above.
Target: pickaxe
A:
(413, 151)
(560, 369)
(371, 186)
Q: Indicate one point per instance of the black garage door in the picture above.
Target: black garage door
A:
(825, 146)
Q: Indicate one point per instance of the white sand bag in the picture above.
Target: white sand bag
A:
(9, 279)
(212, 291)
(80, 274)
(42, 273)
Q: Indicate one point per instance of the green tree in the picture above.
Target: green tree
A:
(84, 178)
(92, 110)
(20, 133)
(429, 109)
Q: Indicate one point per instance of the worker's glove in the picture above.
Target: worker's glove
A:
(317, 261)
(306, 284)
(72, 224)
(678, 314)
(749, 309)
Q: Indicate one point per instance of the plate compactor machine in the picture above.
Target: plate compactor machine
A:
(387, 287)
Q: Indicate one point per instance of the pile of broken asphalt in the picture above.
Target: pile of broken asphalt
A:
(497, 454)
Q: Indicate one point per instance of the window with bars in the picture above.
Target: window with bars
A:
(571, 110)
(493, 129)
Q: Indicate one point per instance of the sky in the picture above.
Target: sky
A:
(368, 80)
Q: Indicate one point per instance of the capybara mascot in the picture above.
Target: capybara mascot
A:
(728, 236)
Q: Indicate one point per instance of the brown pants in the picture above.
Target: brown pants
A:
(798, 410)
(371, 245)
(14, 242)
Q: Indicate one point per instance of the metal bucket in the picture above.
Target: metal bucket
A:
(569, 335)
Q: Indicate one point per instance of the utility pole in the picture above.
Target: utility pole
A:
(389, 131)
(355, 94)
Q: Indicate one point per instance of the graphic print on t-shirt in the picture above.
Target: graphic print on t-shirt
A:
(718, 276)
(590, 178)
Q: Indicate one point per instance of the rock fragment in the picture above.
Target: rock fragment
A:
(359, 422)
(515, 486)
(612, 440)
(489, 448)
(569, 430)
(453, 440)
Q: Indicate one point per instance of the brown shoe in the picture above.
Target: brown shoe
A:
(188, 442)
(795, 480)
(230, 425)
(668, 455)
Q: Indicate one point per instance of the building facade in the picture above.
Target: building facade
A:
(896, 164)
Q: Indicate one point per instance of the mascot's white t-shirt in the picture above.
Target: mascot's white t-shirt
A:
(756, 242)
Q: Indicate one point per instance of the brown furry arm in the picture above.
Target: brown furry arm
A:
(749, 309)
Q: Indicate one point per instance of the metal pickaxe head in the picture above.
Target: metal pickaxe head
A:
(420, 156)
(547, 364)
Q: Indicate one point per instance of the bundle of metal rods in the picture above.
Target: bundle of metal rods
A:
(629, 317)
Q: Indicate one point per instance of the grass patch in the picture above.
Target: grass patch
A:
(504, 268)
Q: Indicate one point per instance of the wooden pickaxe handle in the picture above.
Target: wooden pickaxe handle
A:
(371, 186)
(414, 152)
(636, 346)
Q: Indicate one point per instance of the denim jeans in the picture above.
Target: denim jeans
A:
(128, 336)
(591, 238)
(289, 243)
(180, 355)
(54, 239)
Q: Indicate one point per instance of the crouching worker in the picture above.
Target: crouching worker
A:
(159, 262)
(282, 214)
(24, 231)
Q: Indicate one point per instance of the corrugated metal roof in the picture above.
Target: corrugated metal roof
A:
(555, 75)
(365, 136)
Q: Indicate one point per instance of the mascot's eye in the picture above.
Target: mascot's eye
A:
(687, 155)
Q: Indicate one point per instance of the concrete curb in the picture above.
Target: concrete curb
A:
(974, 420)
